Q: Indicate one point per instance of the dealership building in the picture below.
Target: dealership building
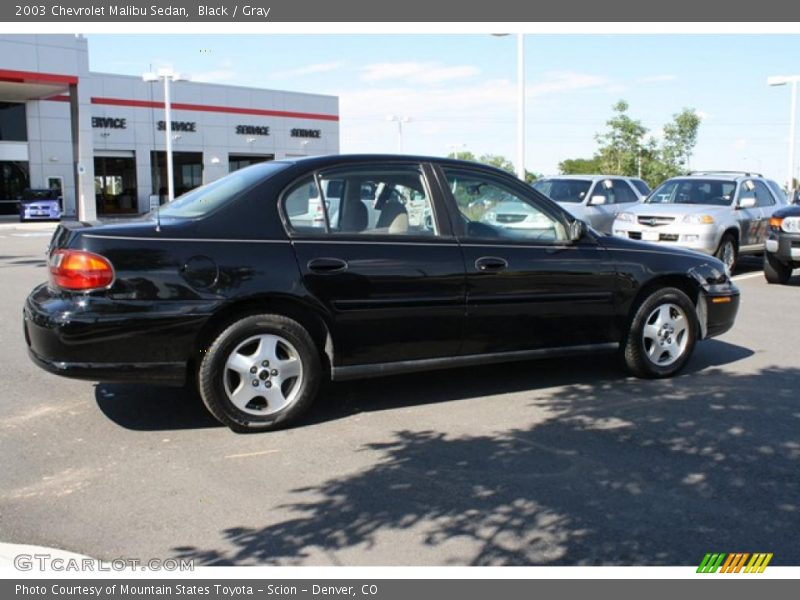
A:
(100, 138)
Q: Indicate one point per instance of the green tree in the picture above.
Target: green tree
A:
(621, 144)
(579, 166)
(626, 149)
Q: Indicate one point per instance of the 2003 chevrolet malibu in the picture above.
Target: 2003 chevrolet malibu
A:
(234, 287)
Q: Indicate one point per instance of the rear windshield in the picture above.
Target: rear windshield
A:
(713, 192)
(201, 201)
(564, 190)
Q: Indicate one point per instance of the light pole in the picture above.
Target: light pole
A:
(399, 121)
(167, 75)
(783, 80)
(520, 162)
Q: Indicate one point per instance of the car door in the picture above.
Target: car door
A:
(393, 284)
(749, 219)
(618, 194)
(766, 205)
(527, 287)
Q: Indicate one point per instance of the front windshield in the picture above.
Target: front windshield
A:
(694, 191)
(564, 190)
(201, 201)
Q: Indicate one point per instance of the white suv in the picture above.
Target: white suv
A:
(721, 213)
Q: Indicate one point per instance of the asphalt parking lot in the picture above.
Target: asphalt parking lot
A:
(558, 462)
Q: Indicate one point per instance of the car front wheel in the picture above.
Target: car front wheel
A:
(662, 334)
(262, 372)
(728, 252)
(775, 271)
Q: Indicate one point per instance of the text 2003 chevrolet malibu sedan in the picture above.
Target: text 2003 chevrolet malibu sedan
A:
(230, 287)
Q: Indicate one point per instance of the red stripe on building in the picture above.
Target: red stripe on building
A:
(10, 76)
(259, 112)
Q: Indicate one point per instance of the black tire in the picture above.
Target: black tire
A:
(728, 239)
(634, 348)
(211, 373)
(775, 271)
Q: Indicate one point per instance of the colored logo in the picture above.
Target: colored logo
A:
(735, 562)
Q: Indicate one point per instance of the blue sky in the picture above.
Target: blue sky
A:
(460, 90)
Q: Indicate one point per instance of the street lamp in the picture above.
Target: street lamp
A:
(166, 75)
(399, 121)
(520, 162)
(783, 80)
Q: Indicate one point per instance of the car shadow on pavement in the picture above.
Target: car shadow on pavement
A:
(626, 472)
(389, 393)
(154, 408)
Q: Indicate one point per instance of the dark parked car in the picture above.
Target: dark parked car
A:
(229, 287)
(782, 248)
(40, 204)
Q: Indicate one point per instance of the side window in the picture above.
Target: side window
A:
(492, 209)
(603, 189)
(763, 195)
(303, 207)
(747, 189)
(623, 192)
(378, 201)
(641, 186)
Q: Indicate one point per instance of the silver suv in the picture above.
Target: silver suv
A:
(595, 199)
(721, 213)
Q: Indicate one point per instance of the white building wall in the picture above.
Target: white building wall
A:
(49, 134)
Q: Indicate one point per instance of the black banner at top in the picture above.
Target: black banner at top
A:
(590, 11)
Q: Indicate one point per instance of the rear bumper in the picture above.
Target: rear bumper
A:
(93, 338)
(155, 373)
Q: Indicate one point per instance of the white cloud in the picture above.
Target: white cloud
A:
(657, 78)
(480, 114)
(702, 114)
(740, 144)
(214, 76)
(311, 69)
(224, 71)
(554, 82)
(417, 72)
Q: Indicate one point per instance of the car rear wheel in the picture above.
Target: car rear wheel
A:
(262, 372)
(775, 271)
(728, 251)
(662, 334)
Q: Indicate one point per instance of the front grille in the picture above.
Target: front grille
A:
(510, 218)
(655, 221)
(664, 237)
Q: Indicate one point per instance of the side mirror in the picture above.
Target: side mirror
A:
(747, 202)
(597, 200)
(577, 229)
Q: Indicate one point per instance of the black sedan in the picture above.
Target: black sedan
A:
(263, 284)
(782, 246)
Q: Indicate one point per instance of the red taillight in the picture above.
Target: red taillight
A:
(80, 270)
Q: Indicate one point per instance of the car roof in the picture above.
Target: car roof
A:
(326, 160)
(591, 177)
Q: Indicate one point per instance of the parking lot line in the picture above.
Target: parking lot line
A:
(747, 276)
(249, 454)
